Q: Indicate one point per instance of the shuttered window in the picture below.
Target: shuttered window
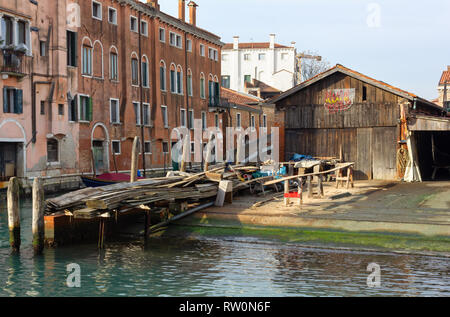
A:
(162, 77)
(145, 81)
(134, 72)
(173, 81)
(114, 71)
(85, 108)
(189, 85)
(71, 48)
(202, 88)
(12, 100)
(73, 110)
(87, 60)
(179, 82)
(114, 110)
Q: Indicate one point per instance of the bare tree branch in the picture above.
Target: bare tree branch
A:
(312, 67)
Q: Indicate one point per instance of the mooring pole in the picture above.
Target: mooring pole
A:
(134, 160)
(147, 224)
(101, 233)
(13, 196)
(38, 216)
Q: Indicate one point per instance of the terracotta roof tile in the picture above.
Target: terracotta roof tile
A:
(445, 76)
(237, 97)
(263, 86)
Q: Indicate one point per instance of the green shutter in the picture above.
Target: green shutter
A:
(18, 101)
(5, 100)
(76, 108)
(90, 109)
(210, 91)
(216, 91)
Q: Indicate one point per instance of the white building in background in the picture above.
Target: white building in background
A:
(271, 63)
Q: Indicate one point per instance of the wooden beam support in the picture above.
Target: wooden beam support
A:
(134, 160)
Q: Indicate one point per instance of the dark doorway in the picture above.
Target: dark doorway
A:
(433, 154)
(8, 161)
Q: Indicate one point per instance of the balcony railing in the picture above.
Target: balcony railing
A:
(214, 101)
(13, 62)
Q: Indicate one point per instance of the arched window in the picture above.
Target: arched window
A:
(144, 65)
(202, 86)
(162, 75)
(189, 83)
(134, 69)
(113, 64)
(179, 80)
(86, 57)
(173, 79)
(98, 59)
(214, 90)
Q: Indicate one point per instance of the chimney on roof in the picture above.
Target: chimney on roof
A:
(182, 10)
(272, 41)
(192, 13)
(235, 42)
(153, 3)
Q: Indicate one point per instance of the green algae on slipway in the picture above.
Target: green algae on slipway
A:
(389, 241)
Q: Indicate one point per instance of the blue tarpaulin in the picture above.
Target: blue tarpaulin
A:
(299, 157)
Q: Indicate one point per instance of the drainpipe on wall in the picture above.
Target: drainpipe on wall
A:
(186, 92)
(34, 107)
(141, 96)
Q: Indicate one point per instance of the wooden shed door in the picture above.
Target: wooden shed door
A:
(363, 168)
(384, 153)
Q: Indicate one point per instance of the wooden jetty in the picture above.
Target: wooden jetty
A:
(93, 213)
(75, 216)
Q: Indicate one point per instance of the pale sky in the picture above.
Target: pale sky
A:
(403, 43)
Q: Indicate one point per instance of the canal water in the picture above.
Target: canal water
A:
(211, 267)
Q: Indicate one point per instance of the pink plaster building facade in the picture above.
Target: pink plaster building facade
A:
(81, 78)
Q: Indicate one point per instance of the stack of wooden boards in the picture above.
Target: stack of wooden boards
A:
(92, 202)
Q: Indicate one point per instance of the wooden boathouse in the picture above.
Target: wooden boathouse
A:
(343, 111)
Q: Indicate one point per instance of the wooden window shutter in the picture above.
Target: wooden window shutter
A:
(90, 109)
(18, 101)
(5, 100)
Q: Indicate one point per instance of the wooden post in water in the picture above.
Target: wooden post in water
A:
(38, 216)
(13, 196)
(134, 160)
